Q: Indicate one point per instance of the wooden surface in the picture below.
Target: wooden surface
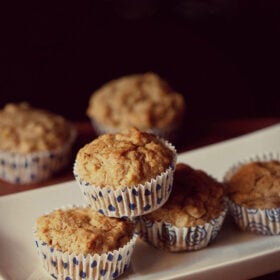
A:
(193, 135)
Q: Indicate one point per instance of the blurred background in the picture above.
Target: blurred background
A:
(223, 55)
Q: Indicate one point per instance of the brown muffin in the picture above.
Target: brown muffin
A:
(124, 159)
(78, 243)
(83, 231)
(34, 143)
(25, 129)
(144, 101)
(195, 209)
(253, 189)
(256, 184)
(196, 198)
(134, 167)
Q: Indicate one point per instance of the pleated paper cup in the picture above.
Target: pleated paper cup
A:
(37, 166)
(62, 265)
(256, 220)
(130, 201)
(163, 235)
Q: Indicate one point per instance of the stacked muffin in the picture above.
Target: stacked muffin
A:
(130, 174)
(126, 174)
(193, 215)
(76, 242)
(122, 176)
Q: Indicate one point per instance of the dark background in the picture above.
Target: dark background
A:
(223, 55)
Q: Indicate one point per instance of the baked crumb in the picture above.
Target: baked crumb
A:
(82, 230)
(195, 199)
(127, 158)
(256, 184)
(24, 129)
(142, 100)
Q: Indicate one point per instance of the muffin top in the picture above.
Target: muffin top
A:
(196, 198)
(256, 185)
(122, 159)
(24, 129)
(82, 230)
(142, 100)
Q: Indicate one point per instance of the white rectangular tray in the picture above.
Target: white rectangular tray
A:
(233, 255)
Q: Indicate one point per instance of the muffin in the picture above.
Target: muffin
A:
(144, 101)
(79, 243)
(191, 218)
(253, 189)
(126, 174)
(34, 143)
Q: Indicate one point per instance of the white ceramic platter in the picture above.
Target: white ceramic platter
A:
(233, 255)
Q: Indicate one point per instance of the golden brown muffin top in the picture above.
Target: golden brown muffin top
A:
(196, 198)
(142, 100)
(83, 231)
(256, 185)
(127, 158)
(24, 129)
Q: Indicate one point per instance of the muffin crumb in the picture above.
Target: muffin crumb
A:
(256, 184)
(127, 158)
(82, 230)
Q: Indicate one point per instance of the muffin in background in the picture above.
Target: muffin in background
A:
(76, 242)
(126, 174)
(192, 216)
(34, 143)
(253, 189)
(144, 101)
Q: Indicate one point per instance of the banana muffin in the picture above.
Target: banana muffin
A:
(144, 101)
(77, 240)
(127, 173)
(192, 216)
(34, 143)
(253, 188)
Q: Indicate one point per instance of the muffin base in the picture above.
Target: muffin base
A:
(128, 201)
(255, 220)
(166, 236)
(35, 167)
(104, 266)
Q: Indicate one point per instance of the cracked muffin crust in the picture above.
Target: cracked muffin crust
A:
(144, 101)
(82, 230)
(192, 216)
(76, 242)
(195, 199)
(127, 158)
(256, 185)
(126, 174)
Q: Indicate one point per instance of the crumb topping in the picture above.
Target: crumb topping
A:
(195, 199)
(24, 129)
(256, 184)
(82, 230)
(128, 158)
(141, 100)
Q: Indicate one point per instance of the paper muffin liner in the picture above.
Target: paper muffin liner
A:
(163, 235)
(37, 166)
(130, 201)
(256, 220)
(67, 266)
(168, 133)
